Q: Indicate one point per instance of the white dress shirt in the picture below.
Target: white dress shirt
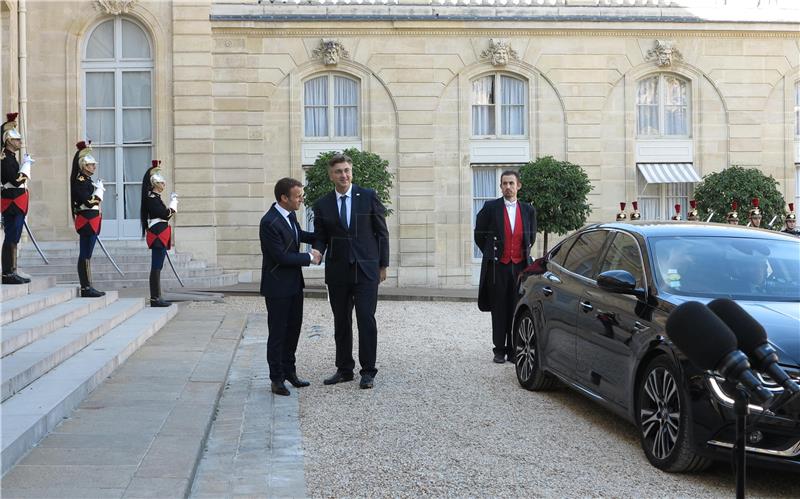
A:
(285, 214)
(511, 209)
(349, 202)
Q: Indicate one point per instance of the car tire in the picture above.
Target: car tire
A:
(663, 417)
(527, 359)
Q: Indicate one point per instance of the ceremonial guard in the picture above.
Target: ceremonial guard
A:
(86, 199)
(755, 214)
(622, 216)
(733, 216)
(14, 197)
(155, 224)
(505, 230)
(692, 215)
(791, 222)
(635, 215)
(677, 215)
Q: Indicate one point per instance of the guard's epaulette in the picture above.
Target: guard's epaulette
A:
(152, 194)
(81, 178)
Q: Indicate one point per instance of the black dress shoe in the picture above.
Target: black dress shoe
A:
(367, 381)
(159, 302)
(13, 279)
(297, 382)
(499, 358)
(278, 388)
(90, 292)
(338, 378)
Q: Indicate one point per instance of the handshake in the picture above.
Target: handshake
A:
(316, 257)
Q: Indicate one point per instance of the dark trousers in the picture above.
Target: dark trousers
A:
(504, 291)
(361, 294)
(87, 246)
(157, 256)
(12, 227)
(284, 320)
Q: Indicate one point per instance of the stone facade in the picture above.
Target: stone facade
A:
(229, 79)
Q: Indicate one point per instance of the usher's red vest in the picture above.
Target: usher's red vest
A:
(512, 249)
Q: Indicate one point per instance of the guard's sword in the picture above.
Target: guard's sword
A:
(773, 220)
(175, 271)
(108, 255)
(711, 214)
(35, 244)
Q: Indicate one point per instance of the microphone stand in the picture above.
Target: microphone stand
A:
(741, 400)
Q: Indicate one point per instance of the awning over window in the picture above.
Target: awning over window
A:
(668, 173)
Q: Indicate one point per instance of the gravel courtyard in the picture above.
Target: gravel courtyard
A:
(443, 420)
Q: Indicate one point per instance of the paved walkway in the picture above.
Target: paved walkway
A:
(384, 292)
(140, 433)
(255, 448)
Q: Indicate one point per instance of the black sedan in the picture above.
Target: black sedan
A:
(592, 314)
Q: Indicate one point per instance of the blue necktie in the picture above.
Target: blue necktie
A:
(293, 220)
(343, 212)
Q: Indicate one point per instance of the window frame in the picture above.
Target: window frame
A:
(477, 256)
(598, 256)
(661, 106)
(497, 75)
(797, 110)
(118, 65)
(330, 112)
(608, 245)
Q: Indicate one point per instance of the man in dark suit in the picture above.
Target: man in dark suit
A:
(505, 230)
(282, 281)
(350, 228)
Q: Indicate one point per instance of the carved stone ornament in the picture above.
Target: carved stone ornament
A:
(499, 52)
(664, 53)
(330, 51)
(114, 7)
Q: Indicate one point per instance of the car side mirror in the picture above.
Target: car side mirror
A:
(620, 282)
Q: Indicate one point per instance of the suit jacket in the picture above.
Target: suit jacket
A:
(281, 261)
(365, 242)
(490, 238)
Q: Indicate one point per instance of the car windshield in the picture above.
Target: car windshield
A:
(732, 267)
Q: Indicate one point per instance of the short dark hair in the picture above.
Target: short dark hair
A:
(510, 172)
(284, 187)
(339, 158)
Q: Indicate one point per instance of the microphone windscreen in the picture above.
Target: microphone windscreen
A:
(700, 334)
(749, 333)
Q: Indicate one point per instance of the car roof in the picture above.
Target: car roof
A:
(681, 228)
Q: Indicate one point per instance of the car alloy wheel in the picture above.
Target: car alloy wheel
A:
(660, 412)
(527, 358)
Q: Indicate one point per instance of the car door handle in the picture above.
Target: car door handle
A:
(553, 278)
(586, 306)
(547, 291)
(639, 327)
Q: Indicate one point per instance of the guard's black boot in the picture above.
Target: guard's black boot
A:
(9, 277)
(14, 264)
(85, 277)
(155, 290)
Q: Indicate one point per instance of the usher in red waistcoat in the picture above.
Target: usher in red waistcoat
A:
(512, 249)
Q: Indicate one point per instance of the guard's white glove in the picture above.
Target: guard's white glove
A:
(98, 189)
(27, 163)
(173, 202)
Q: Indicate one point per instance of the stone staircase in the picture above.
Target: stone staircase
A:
(56, 348)
(133, 258)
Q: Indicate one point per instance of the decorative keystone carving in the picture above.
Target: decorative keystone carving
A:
(330, 51)
(114, 7)
(499, 52)
(664, 53)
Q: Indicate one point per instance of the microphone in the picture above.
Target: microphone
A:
(752, 341)
(711, 345)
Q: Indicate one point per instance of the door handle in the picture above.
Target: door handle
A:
(547, 291)
(553, 278)
(639, 327)
(586, 306)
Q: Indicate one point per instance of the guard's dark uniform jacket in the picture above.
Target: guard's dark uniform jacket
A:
(15, 195)
(85, 206)
(159, 233)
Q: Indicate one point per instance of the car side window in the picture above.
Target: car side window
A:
(584, 253)
(559, 253)
(623, 254)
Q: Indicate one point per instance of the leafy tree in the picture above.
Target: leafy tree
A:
(558, 191)
(719, 190)
(369, 170)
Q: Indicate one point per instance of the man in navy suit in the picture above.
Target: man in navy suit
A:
(282, 281)
(350, 228)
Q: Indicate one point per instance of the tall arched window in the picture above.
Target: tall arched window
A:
(499, 106)
(331, 107)
(662, 107)
(117, 71)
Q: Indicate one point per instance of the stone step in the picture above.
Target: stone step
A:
(27, 364)
(74, 244)
(23, 306)
(33, 412)
(168, 282)
(135, 273)
(106, 266)
(10, 291)
(25, 331)
(98, 257)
